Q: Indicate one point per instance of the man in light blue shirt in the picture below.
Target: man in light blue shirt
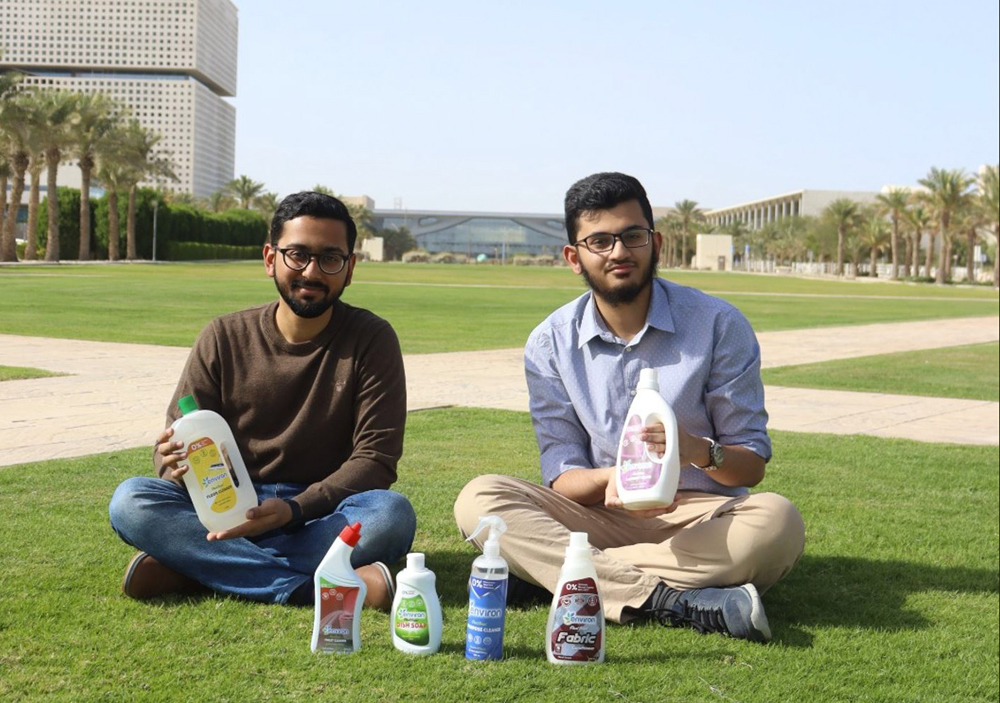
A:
(703, 561)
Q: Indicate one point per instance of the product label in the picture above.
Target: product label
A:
(484, 628)
(577, 626)
(637, 469)
(212, 474)
(410, 618)
(336, 617)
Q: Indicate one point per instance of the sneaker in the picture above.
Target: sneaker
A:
(735, 612)
(521, 592)
(147, 578)
(381, 589)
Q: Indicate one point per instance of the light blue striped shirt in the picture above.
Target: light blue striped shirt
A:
(581, 379)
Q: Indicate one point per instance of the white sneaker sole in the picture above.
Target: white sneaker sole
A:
(757, 616)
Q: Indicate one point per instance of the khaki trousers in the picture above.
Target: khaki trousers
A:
(709, 540)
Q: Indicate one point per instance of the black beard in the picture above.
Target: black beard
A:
(305, 309)
(625, 294)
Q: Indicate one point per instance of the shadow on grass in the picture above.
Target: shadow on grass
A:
(857, 593)
(452, 568)
(821, 592)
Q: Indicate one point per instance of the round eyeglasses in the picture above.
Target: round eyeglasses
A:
(298, 260)
(603, 242)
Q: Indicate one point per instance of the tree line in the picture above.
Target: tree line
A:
(919, 231)
(42, 128)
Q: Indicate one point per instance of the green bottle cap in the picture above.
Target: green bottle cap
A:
(187, 404)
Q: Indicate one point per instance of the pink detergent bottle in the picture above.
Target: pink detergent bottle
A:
(644, 478)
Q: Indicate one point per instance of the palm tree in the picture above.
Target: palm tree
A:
(8, 83)
(33, 127)
(948, 190)
(918, 220)
(843, 212)
(219, 201)
(38, 134)
(894, 202)
(873, 236)
(245, 189)
(112, 170)
(5, 174)
(57, 113)
(787, 239)
(739, 232)
(663, 226)
(96, 116)
(989, 201)
(141, 161)
(14, 122)
(688, 214)
(35, 167)
(266, 203)
(363, 218)
(169, 196)
(970, 218)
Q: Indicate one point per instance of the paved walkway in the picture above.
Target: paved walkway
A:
(116, 394)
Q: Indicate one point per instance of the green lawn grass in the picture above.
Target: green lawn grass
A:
(433, 308)
(18, 373)
(895, 599)
(971, 371)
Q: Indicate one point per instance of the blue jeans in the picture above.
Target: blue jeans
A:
(157, 517)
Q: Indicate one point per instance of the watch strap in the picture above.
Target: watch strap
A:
(297, 520)
(715, 455)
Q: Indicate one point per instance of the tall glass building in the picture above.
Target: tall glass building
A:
(494, 234)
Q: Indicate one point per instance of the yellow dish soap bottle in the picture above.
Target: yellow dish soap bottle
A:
(217, 479)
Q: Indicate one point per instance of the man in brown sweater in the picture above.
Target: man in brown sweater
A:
(315, 394)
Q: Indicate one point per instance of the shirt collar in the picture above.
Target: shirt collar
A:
(658, 315)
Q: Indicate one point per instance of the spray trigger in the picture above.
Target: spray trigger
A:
(495, 523)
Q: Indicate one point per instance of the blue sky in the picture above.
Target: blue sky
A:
(501, 106)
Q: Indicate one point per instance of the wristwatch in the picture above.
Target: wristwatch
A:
(297, 520)
(716, 455)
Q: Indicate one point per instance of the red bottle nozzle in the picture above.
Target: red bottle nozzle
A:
(351, 534)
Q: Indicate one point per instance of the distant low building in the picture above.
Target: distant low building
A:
(498, 235)
(757, 213)
(713, 252)
(373, 248)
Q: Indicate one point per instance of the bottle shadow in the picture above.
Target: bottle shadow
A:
(821, 592)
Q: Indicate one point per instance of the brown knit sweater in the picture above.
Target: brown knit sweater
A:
(328, 412)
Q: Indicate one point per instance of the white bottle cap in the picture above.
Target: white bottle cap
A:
(415, 561)
(648, 379)
(579, 546)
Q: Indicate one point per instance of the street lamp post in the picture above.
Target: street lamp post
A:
(156, 205)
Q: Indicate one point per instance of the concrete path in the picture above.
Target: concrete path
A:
(116, 394)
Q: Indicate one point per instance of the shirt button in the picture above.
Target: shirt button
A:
(632, 392)
(628, 348)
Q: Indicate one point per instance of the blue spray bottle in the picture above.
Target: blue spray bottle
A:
(487, 595)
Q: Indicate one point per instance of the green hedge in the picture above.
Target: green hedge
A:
(199, 251)
(184, 223)
(176, 223)
(236, 231)
(69, 224)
